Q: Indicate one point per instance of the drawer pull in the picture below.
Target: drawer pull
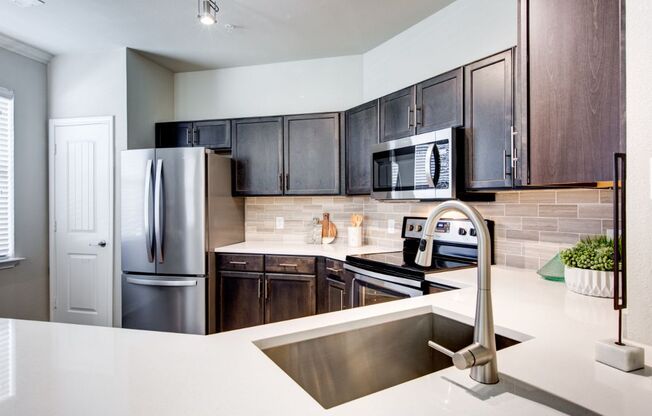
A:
(287, 265)
(240, 263)
(331, 269)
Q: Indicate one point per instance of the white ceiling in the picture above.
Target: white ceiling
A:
(168, 30)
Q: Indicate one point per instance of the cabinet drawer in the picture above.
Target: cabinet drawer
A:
(248, 262)
(335, 268)
(290, 264)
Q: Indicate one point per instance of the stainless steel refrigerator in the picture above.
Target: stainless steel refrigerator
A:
(176, 207)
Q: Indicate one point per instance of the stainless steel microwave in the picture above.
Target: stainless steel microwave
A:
(417, 167)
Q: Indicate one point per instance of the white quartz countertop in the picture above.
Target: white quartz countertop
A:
(334, 251)
(61, 369)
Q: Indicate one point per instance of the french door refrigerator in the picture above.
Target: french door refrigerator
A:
(176, 207)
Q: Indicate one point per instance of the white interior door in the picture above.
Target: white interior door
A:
(81, 214)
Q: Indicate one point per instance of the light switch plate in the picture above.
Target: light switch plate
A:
(390, 226)
(280, 223)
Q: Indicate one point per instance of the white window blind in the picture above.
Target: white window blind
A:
(6, 173)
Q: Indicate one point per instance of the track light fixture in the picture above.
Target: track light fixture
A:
(207, 12)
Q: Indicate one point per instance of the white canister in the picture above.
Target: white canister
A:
(355, 236)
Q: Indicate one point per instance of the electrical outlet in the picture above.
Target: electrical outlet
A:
(280, 223)
(390, 226)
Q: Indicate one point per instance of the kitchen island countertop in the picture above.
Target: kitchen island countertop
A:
(62, 369)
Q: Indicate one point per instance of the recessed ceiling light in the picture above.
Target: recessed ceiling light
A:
(28, 3)
(207, 11)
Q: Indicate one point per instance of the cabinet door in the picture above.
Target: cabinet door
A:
(214, 134)
(439, 102)
(575, 80)
(289, 296)
(257, 152)
(361, 135)
(240, 300)
(312, 154)
(174, 134)
(336, 295)
(488, 122)
(397, 115)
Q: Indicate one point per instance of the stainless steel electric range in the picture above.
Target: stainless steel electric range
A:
(383, 277)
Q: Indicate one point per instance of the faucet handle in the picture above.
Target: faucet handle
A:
(474, 354)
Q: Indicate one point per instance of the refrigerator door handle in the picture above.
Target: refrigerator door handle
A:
(149, 236)
(159, 211)
(169, 283)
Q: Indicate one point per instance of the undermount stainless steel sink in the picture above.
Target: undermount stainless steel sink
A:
(344, 366)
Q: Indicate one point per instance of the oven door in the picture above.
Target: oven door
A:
(418, 167)
(371, 290)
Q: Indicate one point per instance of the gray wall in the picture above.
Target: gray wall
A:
(94, 84)
(150, 99)
(24, 289)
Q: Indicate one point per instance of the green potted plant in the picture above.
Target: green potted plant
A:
(588, 266)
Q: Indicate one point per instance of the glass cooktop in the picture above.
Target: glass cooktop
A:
(400, 262)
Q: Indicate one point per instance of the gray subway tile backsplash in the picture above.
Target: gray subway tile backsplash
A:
(530, 226)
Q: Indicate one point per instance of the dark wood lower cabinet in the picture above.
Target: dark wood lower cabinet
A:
(289, 296)
(336, 295)
(240, 300)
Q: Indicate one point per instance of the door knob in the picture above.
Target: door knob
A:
(100, 244)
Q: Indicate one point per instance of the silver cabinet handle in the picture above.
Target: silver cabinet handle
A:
(418, 116)
(287, 265)
(260, 283)
(429, 152)
(331, 269)
(240, 263)
(505, 164)
(100, 244)
(195, 136)
(159, 211)
(149, 236)
(188, 136)
(341, 300)
(167, 283)
(513, 134)
(409, 117)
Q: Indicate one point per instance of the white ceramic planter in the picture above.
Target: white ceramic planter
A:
(589, 282)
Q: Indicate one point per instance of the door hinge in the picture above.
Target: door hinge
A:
(55, 226)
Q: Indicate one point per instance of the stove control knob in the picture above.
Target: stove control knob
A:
(472, 232)
(419, 228)
(411, 227)
(461, 231)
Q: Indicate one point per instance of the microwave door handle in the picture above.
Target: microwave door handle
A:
(147, 207)
(159, 211)
(428, 169)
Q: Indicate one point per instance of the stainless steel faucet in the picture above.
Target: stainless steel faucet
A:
(481, 355)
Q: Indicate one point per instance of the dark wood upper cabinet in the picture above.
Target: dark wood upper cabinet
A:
(214, 135)
(312, 154)
(488, 122)
(258, 155)
(397, 115)
(361, 135)
(289, 296)
(571, 78)
(174, 134)
(240, 300)
(439, 102)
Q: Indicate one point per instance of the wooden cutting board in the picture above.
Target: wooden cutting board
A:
(328, 230)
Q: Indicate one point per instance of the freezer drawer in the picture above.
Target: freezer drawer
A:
(170, 304)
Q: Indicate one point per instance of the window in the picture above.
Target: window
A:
(6, 174)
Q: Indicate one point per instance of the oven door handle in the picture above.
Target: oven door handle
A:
(428, 169)
(402, 281)
(394, 287)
